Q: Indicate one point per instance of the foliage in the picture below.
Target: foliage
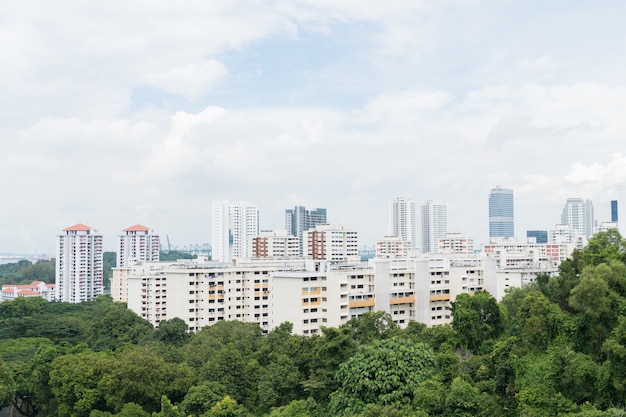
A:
(175, 255)
(109, 261)
(114, 326)
(25, 272)
(476, 318)
(7, 385)
(385, 372)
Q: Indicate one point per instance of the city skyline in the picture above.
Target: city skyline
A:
(110, 120)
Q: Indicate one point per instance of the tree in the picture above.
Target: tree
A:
(227, 407)
(200, 398)
(385, 372)
(476, 318)
(280, 383)
(74, 381)
(141, 376)
(168, 409)
(173, 332)
(7, 385)
(114, 326)
(372, 326)
(463, 400)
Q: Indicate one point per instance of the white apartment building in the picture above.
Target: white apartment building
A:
(332, 243)
(234, 225)
(392, 247)
(578, 213)
(275, 244)
(79, 268)
(434, 225)
(309, 294)
(138, 243)
(402, 220)
(456, 244)
(202, 292)
(564, 234)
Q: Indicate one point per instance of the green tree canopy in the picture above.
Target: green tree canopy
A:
(385, 372)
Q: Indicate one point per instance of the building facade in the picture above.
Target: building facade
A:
(501, 213)
(540, 236)
(298, 220)
(332, 243)
(434, 225)
(275, 244)
(578, 214)
(402, 220)
(79, 267)
(138, 243)
(234, 225)
(457, 244)
(614, 212)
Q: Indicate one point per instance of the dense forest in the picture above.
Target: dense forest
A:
(553, 348)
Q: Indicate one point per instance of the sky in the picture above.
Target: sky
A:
(146, 111)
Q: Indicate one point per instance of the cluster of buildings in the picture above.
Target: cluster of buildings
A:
(310, 273)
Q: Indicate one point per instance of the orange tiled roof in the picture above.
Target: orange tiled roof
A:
(136, 228)
(28, 292)
(79, 227)
(7, 289)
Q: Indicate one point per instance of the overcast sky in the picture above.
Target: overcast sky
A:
(142, 111)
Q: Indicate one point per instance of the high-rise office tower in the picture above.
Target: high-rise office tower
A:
(434, 225)
(614, 211)
(138, 244)
(299, 219)
(578, 214)
(79, 268)
(235, 224)
(501, 213)
(402, 220)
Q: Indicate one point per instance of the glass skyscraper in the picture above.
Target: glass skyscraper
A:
(501, 213)
(614, 211)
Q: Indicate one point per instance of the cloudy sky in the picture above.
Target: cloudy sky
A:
(144, 111)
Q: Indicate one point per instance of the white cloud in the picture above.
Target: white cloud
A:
(140, 111)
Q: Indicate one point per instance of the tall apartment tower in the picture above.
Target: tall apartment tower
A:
(501, 213)
(402, 220)
(614, 216)
(298, 220)
(79, 267)
(434, 225)
(138, 244)
(235, 224)
(578, 214)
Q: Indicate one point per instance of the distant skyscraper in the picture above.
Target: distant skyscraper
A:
(402, 220)
(501, 213)
(541, 236)
(79, 268)
(299, 220)
(578, 214)
(434, 225)
(235, 224)
(137, 244)
(614, 211)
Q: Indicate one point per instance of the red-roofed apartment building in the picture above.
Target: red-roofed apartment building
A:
(138, 244)
(79, 267)
(34, 289)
